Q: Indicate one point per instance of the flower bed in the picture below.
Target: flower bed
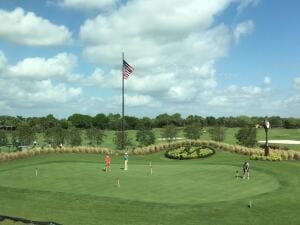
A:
(189, 152)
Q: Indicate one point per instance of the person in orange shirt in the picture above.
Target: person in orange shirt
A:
(107, 163)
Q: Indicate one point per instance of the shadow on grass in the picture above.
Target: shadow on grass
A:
(26, 221)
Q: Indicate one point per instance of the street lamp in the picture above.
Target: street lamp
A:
(266, 124)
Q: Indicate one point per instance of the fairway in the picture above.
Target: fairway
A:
(176, 184)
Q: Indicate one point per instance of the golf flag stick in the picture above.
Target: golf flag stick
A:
(118, 181)
(36, 172)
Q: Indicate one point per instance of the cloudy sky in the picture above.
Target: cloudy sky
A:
(220, 58)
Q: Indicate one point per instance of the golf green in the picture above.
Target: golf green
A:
(171, 184)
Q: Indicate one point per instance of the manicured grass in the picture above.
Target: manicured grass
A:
(73, 189)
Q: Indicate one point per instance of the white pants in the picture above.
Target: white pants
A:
(126, 166)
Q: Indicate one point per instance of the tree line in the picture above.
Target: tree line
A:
(25, 135)
(114, 121)
(20, 131)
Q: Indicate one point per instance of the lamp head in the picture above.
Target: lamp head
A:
(266, 123)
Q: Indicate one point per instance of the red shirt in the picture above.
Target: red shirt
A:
(107, 160)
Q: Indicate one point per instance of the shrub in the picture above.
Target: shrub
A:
(273, 157)
(193, 131)
(169, 133)
(121, 140)
(217, 133)
(145, 137)
(247, 136)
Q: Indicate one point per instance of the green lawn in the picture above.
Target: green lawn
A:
(73, 189)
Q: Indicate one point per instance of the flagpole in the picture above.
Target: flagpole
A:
(122, 100)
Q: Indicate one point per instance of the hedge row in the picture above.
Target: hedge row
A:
(285, 155)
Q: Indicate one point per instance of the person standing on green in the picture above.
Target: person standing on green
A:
(126, 161)
(246, 168)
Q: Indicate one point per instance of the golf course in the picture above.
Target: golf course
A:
(75, 189)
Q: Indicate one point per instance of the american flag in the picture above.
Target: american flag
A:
(127, 70)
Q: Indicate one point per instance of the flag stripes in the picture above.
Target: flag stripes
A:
(127, 70)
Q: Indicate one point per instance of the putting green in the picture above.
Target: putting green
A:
(173, 184)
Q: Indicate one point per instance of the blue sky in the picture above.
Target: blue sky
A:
(220, 58)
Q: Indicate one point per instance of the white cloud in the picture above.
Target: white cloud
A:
(267, 80)
(96, 79)
(20, 94)
(40, 68)
(151, 83)
(297, 82)
(140, 100)
(185, 91)
(175, 52)
(237, 96)
(172, 44)
(245, 4)
(169, 19)
(27, 85)
(291, 102)
(88, 4)
(26, 28)
(3, 61)
(218, 101)
(243, 29)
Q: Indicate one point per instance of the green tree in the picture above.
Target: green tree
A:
(56, 136)
(63, 123)
(162, 120)
(245, 121)
(275, 121)
(195, 119)
(115, 121)
(217, 133)
(81, 121)
(193, 131)
(131, 122)
(144, 123)
(74, 137)
(291, 123)
(176, 119)
(95, 136)
(100, 121)
(119, 139)
(211, 121)
(25, 134)
(145, 137)
(3, 138)
(48, 122)
(169, 132)
(247, 136)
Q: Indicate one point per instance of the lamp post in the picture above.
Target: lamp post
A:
(266, 124)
